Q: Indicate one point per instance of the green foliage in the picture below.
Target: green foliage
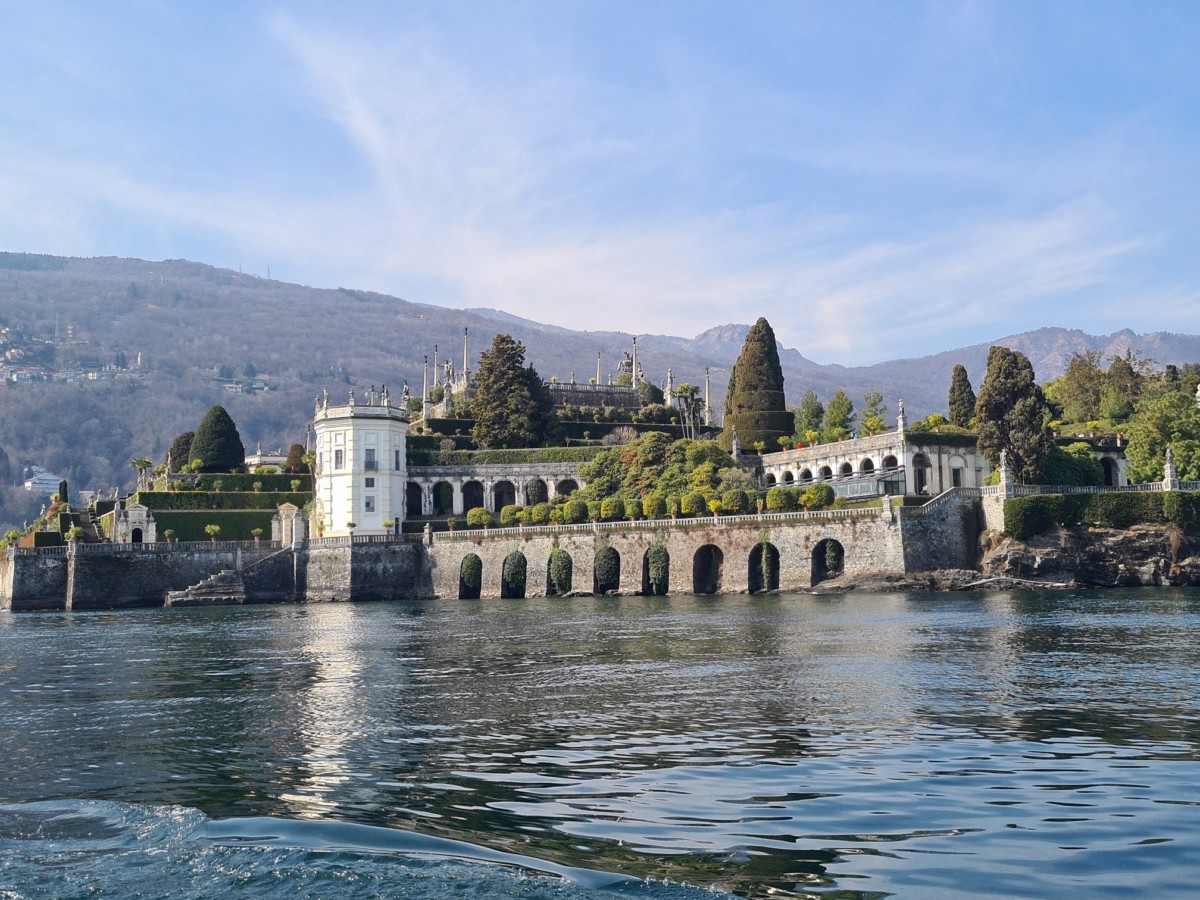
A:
(658, 564)
(536, 492)
(196, 500)
(809, 416)
(781, 500)
(633, 509)
(839, 417)
(512, 575)
(508, 515)
(1173, 420)
(217, 444)
(736, 502)
(478, 517)
(435, 457)
(693, 504)
(539, 514)
(607, 570)
(213, 530)
(1077, 391)
(593, 510)
(559, 571)
(873, 412)
(1027, 516)
(280, 483)
(470, 577)
(295, 460)
(818, 496)
(754, 401)
(650, 394)
(654, 506)
(1074, 464)
(575, 512)
(962, 398)
(512, 406)
(1012, 415)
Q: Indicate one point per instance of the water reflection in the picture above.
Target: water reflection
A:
(907, 742)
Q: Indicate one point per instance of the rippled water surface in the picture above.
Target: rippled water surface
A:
(918, 745)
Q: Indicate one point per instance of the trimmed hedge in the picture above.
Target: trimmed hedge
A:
(420, 458)
(193, 500)
(1027, 516)
(280, 482)
(236, 525)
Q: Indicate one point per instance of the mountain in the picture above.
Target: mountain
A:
(265, 349)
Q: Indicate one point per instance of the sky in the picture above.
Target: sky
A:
(879, 179)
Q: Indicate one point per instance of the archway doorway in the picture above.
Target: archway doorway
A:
(472, 495)
(503, 494)
(920, 463)
(607, 571)
(656, 571)
(559, 572)
(828, 560)
(565, 487)
(470, 577)
(707, 566)
(512, 576)
(443, 499)
(1111, 471)
(135, 536)
(764, 568)
(412, 500)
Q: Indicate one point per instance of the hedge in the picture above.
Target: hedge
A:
(278, 482)
(193, 500)
(532, 455)
(236, 525)
(1027, 516)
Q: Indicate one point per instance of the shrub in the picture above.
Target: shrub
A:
(478, 517)
(512, 575)
(654, 506)
(658, 564)
(470, 577)
(559, 572)
(508, 515)
(672, 506)
(556, 516)
(593, 510)
(540, 514)
(535, 493)
(781, 500)
(574, 512)
(633, 509)
(612, 509)
(607, 570)
(693, 504)
(819, 496)
(736, 502)
(217, 446)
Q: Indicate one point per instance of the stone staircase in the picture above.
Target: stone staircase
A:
(223, 589)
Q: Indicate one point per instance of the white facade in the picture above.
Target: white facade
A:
(361, 469)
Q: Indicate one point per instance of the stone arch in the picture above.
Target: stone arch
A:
(867, 465)
(806, 475)
(764, 568)
(1111, 471)
(412, 499)
(889, 462)
(826, 473)
(769, 479)
(566, 486)
(846, 469)
(707, 565)
(470, 577)
(788, 478)
(536, 492)
(828, 560)
(443, 498)
(559, 573)
(920, 464)
(512, 576)
(656, 571)
(472, 495)
(504, 493)
(606, 571)
(135, 536)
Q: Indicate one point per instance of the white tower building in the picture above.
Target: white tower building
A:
(361, 469)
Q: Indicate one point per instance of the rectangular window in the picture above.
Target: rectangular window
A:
(369, 504)
(370, 482)
(956, 477)
(339, 458)
(369, 461)
(397, 460)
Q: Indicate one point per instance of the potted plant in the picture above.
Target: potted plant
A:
(257, 533)
(212, 531)
(169, 534)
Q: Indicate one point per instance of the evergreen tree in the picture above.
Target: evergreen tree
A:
(1077, 392)
(181, 450)
(1012, 414)
(810, 416)
(1172, 420)
(962, 398)
(295, 459)
(839, 417)
(512, 405)
(754, 402)
(217, 443)
(873, 412)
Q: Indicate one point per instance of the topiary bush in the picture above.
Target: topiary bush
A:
(575, 512)
(607, 570)
(818, 496)
(658, 570)
(633, 509)
(612, 509)
(470, 577)
(512, 576)
(508, 515)
(559, 572)
(593, 510)
(736, 502)
(781, 500)
(478, 517)
(654, 506)
(539, 514)
(693, 504)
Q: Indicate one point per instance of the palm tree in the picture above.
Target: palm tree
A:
(142, 464)
(691, 409)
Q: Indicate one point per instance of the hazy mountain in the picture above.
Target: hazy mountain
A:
(188, 320)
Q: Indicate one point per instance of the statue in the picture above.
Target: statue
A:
(1170, 456)
(405, 396)
(386, 401)
(351, 396)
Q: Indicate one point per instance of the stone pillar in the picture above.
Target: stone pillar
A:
(886, 512)
(519, 491)
(456, 503)
(1008, 487)
(426, 498)
(1170, 480)
(488, 501)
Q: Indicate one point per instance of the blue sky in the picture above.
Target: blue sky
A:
(879, 179)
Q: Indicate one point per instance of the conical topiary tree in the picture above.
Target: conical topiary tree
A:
(754, 403)
(962, 398)
(217, 444)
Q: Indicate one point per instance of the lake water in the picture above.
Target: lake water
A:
(1023, 744)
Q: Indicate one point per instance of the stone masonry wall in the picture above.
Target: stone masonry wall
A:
(29, 582)
(947, 538)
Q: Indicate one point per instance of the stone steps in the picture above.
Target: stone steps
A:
(223, 589)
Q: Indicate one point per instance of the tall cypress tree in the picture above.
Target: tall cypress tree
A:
(512, 405)
(754, 401)
(962, 397)
(1012, 414)
(217, 443)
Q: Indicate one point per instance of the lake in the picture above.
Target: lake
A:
(1004, 744)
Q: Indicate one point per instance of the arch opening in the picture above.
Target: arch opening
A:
(565, 487)
(1111, 471)
(472, 495)
(443, 499)
(806, 475)
(826, 472)
(769, 479)
(764, 568)
(135, 536)
(504, 493)
(889, 462)
(559, 572)
(606, 571)
(707, 566)
(828, 560)
(412, 500)
(656, 571)
(536, 492)
(788, 478)
(512, 576)
(470, 577)
(921, 468)
(846, 469)
(866, 466)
